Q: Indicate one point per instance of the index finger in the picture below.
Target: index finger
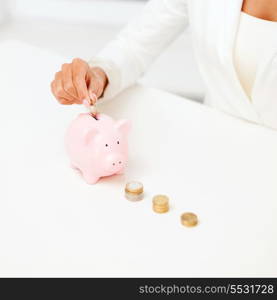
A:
(79, 72)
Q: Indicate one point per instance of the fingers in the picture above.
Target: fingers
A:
(67, 81)
(58, 90)
(96, 85)
(79, 74)
(77, 82)
(93, 97)
(95, 89)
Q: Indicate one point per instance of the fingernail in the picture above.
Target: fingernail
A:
(86, 102)
(93, 96)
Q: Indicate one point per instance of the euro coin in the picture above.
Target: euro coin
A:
(189, 219)
(134, 191)
(93, 110)
(160, 204)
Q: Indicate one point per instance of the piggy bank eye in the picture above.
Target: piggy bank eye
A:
(118, 142)
(106, 145)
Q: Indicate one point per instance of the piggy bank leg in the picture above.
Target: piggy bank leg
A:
(90, 178)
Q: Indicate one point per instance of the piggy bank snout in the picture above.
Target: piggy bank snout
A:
(115, 161)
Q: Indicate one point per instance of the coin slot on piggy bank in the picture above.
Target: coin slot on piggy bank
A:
(97, 147)
(94, 116)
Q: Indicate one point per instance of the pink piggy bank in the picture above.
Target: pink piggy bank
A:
(98, 146)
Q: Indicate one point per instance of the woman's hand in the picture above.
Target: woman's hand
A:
(77, 82)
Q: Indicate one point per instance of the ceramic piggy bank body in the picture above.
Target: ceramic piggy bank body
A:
(97, 146)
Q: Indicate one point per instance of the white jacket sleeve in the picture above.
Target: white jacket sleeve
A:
(126, 58)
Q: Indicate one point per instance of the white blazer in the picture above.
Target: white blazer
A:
(213, 25)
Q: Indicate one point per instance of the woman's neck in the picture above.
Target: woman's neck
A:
(263, 9)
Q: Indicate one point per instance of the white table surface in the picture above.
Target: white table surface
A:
(53, 224)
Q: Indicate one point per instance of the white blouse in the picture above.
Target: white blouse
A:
(214, 26)
(254, 38)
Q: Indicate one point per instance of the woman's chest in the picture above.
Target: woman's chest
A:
(255, 43)
(217, 32)
(215, 27)
(262, 9)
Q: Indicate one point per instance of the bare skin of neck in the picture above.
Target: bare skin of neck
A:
(263, 9)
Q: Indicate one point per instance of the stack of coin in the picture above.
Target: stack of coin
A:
(134, 191)
(189, 219)
(160, 204)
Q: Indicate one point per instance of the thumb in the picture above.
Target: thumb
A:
(96, 85)
(93, 96)
(95, 89)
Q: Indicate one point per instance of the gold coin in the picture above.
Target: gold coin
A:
(160, 200)
(160, 204)
(189, 219)
(93, 110)
(134, 191)
(134, 187)
(161, 210)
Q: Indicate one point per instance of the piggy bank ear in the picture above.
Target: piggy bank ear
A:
(90, 134)
(124, 126)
